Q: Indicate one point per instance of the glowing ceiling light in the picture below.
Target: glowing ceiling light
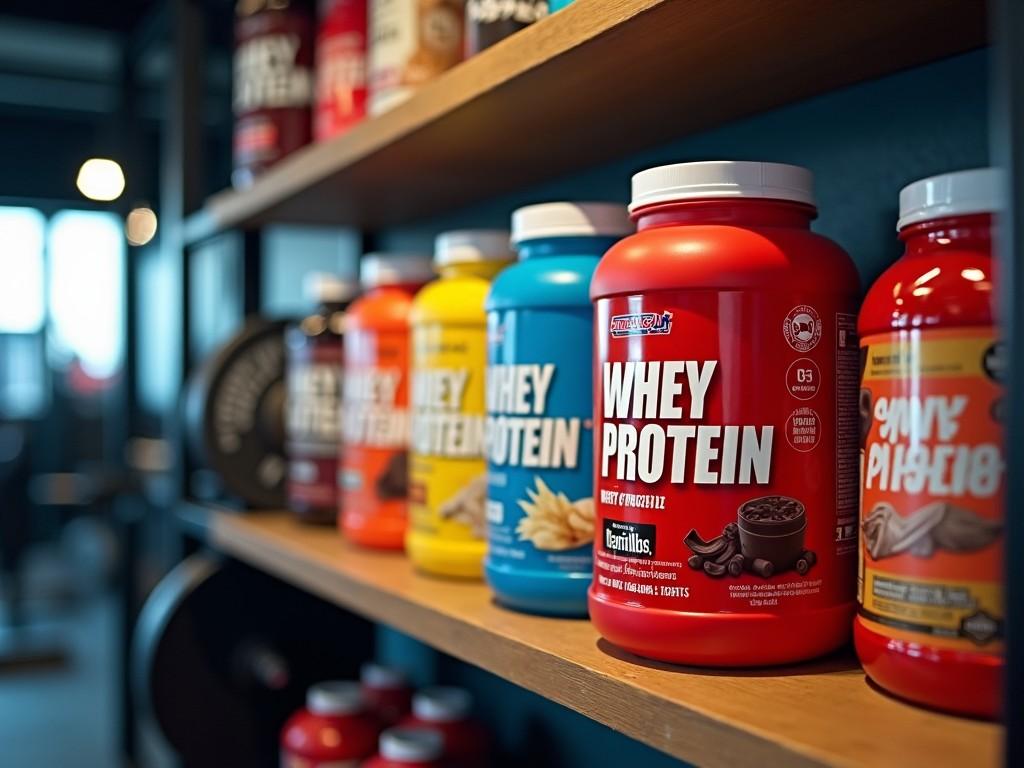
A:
(140, 226)
(100, 179)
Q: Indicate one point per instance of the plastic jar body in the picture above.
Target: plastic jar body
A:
(540, 331)
(375, 418)
(928, 337)
(466, 742)
(273, 85)
(411, 43)
(341, 48)
(725, 399)
(312, 426)
(386, 691)
(309, 740)
(448, 475)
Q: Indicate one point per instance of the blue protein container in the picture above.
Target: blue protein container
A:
(540, 507)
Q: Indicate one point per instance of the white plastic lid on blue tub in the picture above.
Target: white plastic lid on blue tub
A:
(411, 745)
(570, 220)
(377, 269)
(464, 246)
(722, 179)
(442, 704)
(335, 697)
(951, 194)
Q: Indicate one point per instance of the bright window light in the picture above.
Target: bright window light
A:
(100, 179)
(22, 306)
(140, 226)
(87, 290)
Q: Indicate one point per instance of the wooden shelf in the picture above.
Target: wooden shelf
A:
(597, 81)
(824, 713)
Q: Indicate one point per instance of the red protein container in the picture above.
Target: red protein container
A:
(333, 730)
(725, 422)
(446, 710)
(273, 90)
(341, 47)
(375, 401)
(313, 424)
(387, 692)
(408, 748)
(931, 621)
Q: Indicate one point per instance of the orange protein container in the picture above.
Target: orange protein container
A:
(373, 479)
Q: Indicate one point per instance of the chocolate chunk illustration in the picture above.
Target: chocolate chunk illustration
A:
(938, 525)
(961, 530)
(394, 482)
(714, 569)
(698, 546)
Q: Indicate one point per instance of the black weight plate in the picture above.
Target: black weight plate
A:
(223, 654)
(234, 414)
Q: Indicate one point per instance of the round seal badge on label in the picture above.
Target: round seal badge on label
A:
(802, 328)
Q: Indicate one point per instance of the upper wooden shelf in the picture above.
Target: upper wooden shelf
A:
(597, 81)
(822, 713)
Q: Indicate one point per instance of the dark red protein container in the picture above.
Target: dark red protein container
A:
(725, 422)
(387, 692)
(273, 88)
(448, 711)
(333, 729)
(313, 376)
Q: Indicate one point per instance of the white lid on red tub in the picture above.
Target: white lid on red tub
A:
(411, 745)
(335, 697)
(722, 179)
(375, 675)
(442, 704)
(978, 190)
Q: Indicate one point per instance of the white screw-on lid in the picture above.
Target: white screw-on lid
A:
(442, 704)
(382, 676)
(376, 269)
(325, 287)
(411, 745)
(335, 697)
(951, 194)
(469, 245)
(722, 179)
(570, 220)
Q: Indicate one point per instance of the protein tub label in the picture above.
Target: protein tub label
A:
(717, 468)
(375, 422)
(540, 507)
(313, 421)
(933, 480)
(448, 481)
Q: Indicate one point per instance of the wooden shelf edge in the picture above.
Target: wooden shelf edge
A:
(533, 47)
(564, 660)
(390, 168)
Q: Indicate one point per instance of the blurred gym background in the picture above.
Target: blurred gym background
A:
(92, 351)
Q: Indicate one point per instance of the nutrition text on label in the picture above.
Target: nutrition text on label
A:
(633, 500)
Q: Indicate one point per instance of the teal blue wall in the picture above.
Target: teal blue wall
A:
(863, 143)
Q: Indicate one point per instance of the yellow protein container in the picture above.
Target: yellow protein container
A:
(447, 473)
